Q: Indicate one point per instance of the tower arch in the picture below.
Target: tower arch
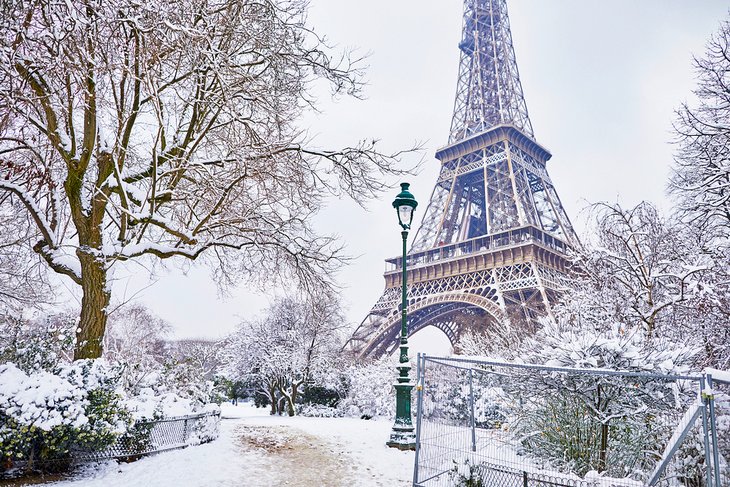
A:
(452, 313)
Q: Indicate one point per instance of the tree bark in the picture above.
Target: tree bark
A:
(272, 398)
(291, 400)
(602, 455)
(94, 302)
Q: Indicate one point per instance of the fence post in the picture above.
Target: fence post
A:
(471, 405)
(713, 427)
(706, 432)
(420, 386)
(185, 430)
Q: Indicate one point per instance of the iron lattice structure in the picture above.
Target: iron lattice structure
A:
(491, 251)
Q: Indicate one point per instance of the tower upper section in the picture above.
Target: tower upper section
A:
(489, 92)
(493, 181)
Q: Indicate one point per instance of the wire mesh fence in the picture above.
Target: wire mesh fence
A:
(153, 436)
(497, 424)
(720, 423)
(144, 437)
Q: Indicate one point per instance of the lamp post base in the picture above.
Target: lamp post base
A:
(402, 437)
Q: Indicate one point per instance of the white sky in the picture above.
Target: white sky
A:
(601, 80)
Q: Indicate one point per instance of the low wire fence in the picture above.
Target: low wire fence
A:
(497, 424)
(153, 436)
(142, 438)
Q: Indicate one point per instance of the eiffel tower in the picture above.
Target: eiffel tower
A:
(491, 251)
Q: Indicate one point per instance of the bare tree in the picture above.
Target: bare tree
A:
(644, 275)
(135, 340)
(294, 342)
(700, 182)
(707, 312)
(202, 355)
(168, 129)
(639, 270)
(23, 280)
(701, 173)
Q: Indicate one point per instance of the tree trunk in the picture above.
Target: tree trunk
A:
(94, 302)
(287, 399)
(272, 398)
(602, 465)
(293, 399)
(290, 406)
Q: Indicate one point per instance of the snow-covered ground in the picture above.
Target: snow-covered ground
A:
(258, 450)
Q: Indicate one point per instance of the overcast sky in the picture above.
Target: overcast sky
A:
(601, 80)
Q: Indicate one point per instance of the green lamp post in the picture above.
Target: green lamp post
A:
(403, 436)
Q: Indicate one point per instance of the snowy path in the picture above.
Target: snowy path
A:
(258, 450)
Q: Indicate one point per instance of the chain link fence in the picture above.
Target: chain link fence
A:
(144, 437)
(153, 436)
(497, 424)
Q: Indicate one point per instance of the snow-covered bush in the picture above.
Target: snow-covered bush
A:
(166, 392)
(605, 423)
(150, 403)
(467, 474)
(135, 342)
(722, 411)
(450, 397)
(319, 411)
(44, 415)
(370, 389)
(322, 398)
(205, 429)
(185, 380)
(328, 395)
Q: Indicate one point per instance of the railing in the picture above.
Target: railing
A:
(153, 436)
(142, 438)
(518, 236)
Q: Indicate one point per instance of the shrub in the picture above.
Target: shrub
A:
(35, 345)
(319, 411)
(613, 425)
(320, 395)
(467, 475)
(44, 415)
(370, 389)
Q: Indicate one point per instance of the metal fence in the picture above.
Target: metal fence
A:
(153, 436)
(497, 424)
(142, 438)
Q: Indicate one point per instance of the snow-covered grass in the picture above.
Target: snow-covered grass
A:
(258, 450)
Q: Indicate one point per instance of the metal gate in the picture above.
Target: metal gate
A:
(500, 424)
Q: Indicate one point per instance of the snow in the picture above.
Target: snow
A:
(138, 249)
(41, 400)
(259, 450)
(106, 137)
(64, 141)
(148, 405)
(719, 375)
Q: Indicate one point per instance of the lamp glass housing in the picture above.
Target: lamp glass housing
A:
(405, 215)
(404, 204)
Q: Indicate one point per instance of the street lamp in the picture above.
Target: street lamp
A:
(402, 436)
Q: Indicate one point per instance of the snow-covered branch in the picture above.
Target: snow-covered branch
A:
(38, 217)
